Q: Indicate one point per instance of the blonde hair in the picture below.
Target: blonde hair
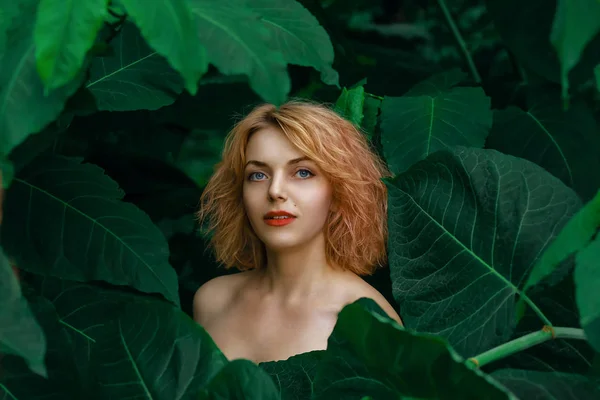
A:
(356, 232)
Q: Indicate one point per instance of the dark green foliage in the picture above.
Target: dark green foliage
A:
(486, 111)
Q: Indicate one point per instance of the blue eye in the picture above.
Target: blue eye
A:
(300, 170)
(250, 176)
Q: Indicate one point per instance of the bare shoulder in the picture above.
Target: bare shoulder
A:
(213, 296)
(360, 288)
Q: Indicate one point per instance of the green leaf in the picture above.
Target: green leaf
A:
(64, 32)
(296, 33)
(20, 333)
(597, 73)
(65, 378)
(575, 25)
(116, 344)
(371, 109)
(576, 235)
(294, 377)
(372, 347)
(237, 42)
(135, 77)
(466, 226)
(241, 380)
(350, 105)
(156, 351)
(24, 108)
(435, 118)
(557, 140)
(587, 281)
(547, 385)
(66, 219)
(8, 11)
(168, 27)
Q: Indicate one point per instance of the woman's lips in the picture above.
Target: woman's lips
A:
(279, 222)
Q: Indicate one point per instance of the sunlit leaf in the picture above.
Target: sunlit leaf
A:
(64, 32)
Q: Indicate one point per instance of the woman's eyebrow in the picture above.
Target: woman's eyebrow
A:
(263, 164)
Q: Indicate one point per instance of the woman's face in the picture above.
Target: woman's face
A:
(272, 183)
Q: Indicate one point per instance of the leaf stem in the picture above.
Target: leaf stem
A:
(525, 342)
(460, 40)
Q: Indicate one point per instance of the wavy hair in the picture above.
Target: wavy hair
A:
(356, 232)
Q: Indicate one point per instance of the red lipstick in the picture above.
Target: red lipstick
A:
(284, 218)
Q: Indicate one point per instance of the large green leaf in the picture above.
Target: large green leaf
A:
(115, 345)
(24, 108)
(155, 351)
(547, 385)
(238, 43)
(576, 23)
(587, 281)
(296, 33)
(466, 226)
(368, 351)
(20, 333)
(557, 140)
(168, 27)
(67, 219)
(240, 380)
(575, 236)
(64, 32)
(431, 117)
(135, 77)
(294, 377)
(65, 379)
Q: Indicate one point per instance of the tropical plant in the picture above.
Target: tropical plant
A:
(113, 112)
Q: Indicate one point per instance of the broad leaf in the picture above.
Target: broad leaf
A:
(294, 377)
(371, 109)
(368, 351)
(350, 105)
(155, 351)
(66, 219)
(432, 117)
(587, 282)
(556, 140)
(168, 27)
(20, 333)
(466, 227)
(296, 33)
(116, 344)
(547, 385)
(135, 77)
(64, 32)
(575, 236)
(576, 23)
(237, 42)
(66, 379)
(240, 380)
(24, 108)
(597, 73)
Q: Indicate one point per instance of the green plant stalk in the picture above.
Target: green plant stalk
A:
(525, 342)
(460, 40)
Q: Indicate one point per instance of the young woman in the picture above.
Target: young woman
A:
(297, 204)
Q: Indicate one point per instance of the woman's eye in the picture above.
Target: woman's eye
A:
(253, 173)
(304, 170)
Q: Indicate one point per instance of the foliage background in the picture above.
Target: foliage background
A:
(108, 90)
